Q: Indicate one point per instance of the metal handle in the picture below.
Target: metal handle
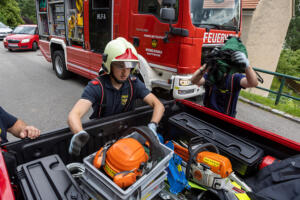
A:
(156, 153)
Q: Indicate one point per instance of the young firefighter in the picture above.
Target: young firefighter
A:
(112, 93)
(9, 123)
(222, 95)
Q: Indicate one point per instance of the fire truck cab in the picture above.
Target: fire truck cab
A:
(171, 36)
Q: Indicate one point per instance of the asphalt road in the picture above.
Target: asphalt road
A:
(31, 91)
(268, 121)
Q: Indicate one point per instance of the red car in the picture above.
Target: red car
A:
(22, 37)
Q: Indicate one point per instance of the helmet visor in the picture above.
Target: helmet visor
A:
(125, 64)
(131, 64)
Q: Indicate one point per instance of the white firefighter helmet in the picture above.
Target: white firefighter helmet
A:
(119, 50)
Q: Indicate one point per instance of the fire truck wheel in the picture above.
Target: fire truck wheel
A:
(59, 65)
(34, 46)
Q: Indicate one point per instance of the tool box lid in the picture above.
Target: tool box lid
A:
(239, 149)
(48, 178)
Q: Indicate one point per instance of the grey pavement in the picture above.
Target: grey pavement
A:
(31, 91)
(268, 121)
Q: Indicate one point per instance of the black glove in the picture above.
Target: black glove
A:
(77, 142)
(215, 51)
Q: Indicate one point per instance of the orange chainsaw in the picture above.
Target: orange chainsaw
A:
(207, 168)
(125, 160)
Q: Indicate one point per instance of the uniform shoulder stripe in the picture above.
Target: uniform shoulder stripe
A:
(94, 82)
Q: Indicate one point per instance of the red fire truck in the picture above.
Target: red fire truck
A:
(171, 36)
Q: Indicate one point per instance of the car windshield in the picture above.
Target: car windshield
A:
(2, 25)
(24, 30)
(217, 14)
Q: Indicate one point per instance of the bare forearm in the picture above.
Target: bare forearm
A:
(158, 111)
(158, 107)
(197, 77)
(74, 122)
(78, 111)
(251, 77)
(17, 128)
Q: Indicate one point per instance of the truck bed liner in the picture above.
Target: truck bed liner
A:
(105, 129)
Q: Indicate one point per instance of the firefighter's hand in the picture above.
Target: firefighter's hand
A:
(153, 127)
(30, 132)
(77, 142)
(215, 51)
(205, 68)
(241, 59)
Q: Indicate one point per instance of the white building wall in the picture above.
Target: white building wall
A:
(264, 36)
(246, 24)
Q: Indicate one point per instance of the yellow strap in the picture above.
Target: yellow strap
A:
(236, 185)
(240, 196)
(194, 185)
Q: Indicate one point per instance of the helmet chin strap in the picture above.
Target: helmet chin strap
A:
(118, 81)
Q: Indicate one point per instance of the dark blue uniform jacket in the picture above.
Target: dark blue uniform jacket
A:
(6, 121)
(224, 100)
(114, 100)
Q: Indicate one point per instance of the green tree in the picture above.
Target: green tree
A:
(28, 12)
(293, 34)
(10, 13)
(289, 62)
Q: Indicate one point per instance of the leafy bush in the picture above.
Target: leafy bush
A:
(289, 62)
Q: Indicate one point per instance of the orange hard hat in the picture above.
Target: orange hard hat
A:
(126, 159)
(126, 154)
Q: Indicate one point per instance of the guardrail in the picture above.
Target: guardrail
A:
(279, 92)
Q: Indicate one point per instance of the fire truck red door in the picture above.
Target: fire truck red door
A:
(148, 32)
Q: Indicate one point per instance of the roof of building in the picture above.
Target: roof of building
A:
(213, 4)
(249, 4)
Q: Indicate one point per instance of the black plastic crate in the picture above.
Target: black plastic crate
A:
(48, 178)
(244, 156)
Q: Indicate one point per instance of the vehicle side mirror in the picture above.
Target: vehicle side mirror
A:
(169, 2)
(167, 14)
